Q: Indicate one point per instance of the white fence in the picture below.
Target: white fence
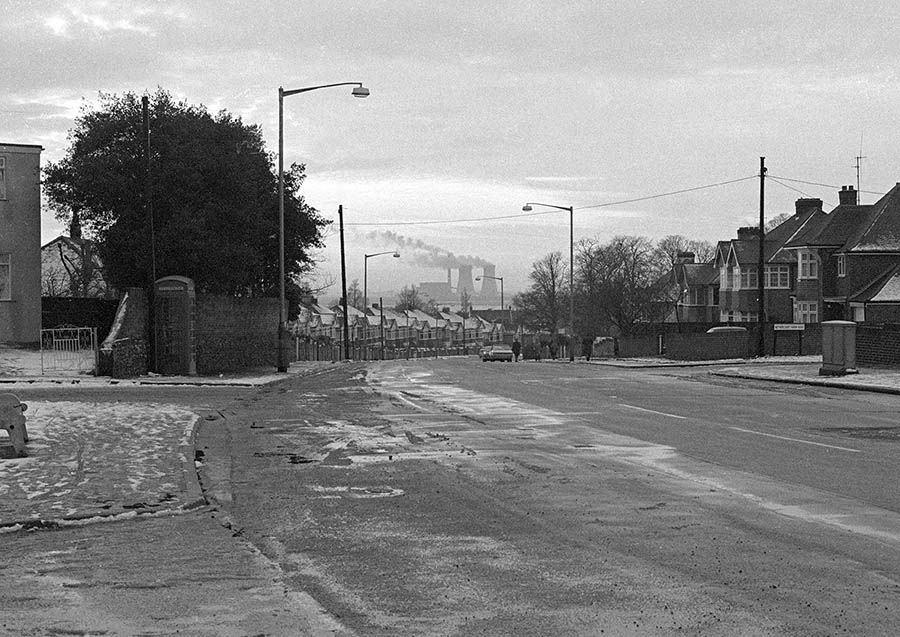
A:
(69, 350)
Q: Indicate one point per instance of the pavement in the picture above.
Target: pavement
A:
(92, 461)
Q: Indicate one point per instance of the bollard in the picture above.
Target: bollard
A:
(12, 418)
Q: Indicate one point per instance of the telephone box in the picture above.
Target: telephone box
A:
(174, 303)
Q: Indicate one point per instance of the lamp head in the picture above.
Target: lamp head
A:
(360, 91)
(527, 208)
(396, 254)
(478, 278)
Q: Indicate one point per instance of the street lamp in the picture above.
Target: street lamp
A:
(394, 253)
(528, 208)
(496, 278)
(358, 91)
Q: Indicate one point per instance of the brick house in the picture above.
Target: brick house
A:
(20, 243)
(737, 261)
(696, 288)
(848, 262)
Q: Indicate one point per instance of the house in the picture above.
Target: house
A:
(70, 267)
(696, 290)
(737, 261)
(848, 262)
(20, 243)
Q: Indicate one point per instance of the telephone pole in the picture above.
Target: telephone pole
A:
(761, 263)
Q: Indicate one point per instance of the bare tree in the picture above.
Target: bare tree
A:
(542, 306)
(668, 248)
(355, 294)
(71, 268)
(621, 283)
(409, 299)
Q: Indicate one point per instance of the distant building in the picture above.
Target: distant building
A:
(70, 267)
(20, 243)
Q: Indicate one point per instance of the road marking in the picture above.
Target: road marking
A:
(805, 442)
(650, 411)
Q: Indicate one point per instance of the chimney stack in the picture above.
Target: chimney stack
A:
(848, 196)
(748, 233)
(685, 257)
(808, 205)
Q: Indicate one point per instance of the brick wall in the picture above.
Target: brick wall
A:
(688, 347)
(233, 334)
(636, 346)
(878, 344)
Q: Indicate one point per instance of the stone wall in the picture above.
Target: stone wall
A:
(123, 353)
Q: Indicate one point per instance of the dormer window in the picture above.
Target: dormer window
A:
(809, 265)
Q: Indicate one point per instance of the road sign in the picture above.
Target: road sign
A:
(789, 327)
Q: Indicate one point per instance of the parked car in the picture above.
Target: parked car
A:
(498, 352)
(718, 329)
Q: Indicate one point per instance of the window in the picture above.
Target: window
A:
(859, 313)
(806, 312)
(809, 265)
(778, 277)
(724, 277)
(5, 288)
(697, 296)
(713, 295)
(842, 265)
(2, 177)
(748, 279)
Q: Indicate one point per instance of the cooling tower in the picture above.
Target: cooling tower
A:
(465, 281)
(488, 284)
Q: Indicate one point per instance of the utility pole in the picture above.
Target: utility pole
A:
(148, 211)
(344, 287)
(761, 263)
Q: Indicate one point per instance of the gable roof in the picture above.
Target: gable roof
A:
(880, 230)
(700, 273)
(856, 228)
(778, 240)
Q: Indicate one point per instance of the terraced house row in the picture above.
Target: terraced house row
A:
(395, 329)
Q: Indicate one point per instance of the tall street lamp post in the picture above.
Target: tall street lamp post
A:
(528, 208)
(358, 91)
(394, 253)
(496, 278)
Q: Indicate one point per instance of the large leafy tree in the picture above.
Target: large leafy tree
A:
(213, 190)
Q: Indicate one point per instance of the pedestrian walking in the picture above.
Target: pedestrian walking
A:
(516, 348)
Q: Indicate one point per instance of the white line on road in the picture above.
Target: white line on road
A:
(650, 411)
(805, 442)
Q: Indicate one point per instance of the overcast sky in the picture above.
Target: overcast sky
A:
(478, 107)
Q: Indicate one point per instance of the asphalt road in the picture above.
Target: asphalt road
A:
(457, 497)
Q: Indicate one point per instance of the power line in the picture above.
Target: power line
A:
(549, 212)
(813, 183)
(667, 194)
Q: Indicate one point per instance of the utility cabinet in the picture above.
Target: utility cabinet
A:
(838, 348)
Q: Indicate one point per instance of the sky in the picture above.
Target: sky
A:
(479, 107)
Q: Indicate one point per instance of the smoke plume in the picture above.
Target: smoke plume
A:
(423, 254)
